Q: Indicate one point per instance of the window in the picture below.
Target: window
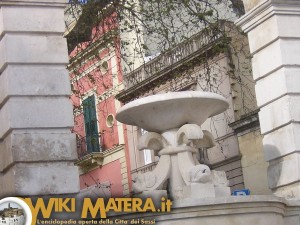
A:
(147, 152)
(90, 123)
(147, 156)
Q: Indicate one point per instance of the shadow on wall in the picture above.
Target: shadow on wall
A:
(280, 173)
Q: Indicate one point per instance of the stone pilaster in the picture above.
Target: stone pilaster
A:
(274, 39)
(37, 149)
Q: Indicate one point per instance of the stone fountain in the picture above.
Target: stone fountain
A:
(173, 122)
(200, 195)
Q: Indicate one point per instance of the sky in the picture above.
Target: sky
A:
(5, 205)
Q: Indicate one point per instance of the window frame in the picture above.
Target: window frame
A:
(90, 147)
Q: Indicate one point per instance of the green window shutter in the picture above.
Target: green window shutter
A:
(90, 123)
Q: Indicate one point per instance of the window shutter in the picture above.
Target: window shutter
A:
(90, 122)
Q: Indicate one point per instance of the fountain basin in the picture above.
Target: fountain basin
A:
(161, 112)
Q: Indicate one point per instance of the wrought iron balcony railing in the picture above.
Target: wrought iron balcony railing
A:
(84, 149)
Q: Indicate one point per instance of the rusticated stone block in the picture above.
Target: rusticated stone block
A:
(37, 146)
(32, 49)
(35, 112)
(281, 82)
(273, 57)
(17, 19)
(281, 112)
(40, 179)
(284, 171)
(272, 28)
(34, 81)
(281, 142)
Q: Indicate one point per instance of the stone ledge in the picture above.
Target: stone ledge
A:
(247, 122)
(95, 160)
(90, 161)
(215, 202)
(114, 153)
(113, 150)
(246, 210)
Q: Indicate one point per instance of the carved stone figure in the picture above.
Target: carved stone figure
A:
(176, 141)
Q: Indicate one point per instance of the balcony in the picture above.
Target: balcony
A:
(87, 159)
(174, 61)
(82, 149)
(143, 169)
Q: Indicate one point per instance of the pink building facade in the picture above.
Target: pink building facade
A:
(96, 77)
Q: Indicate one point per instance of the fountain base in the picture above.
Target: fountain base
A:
(246, 210)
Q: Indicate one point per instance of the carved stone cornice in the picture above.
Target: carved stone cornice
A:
(247, 122)
(265, 10)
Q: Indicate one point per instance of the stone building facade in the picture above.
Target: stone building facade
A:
(95, 74)
(35, 110)
(226, 71)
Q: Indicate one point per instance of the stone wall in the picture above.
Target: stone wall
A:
(274, 40)
(37, 148)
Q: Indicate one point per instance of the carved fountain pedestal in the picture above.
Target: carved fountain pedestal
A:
(173, 122)
(200, 195)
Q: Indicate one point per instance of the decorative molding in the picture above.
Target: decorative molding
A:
(225, 162)
(95, 160)
(111, 92)
(246, 124)
(88, 54)
(265, 10)
(113, 150)
(90, 161)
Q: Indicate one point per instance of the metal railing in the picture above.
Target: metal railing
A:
(82, 149)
